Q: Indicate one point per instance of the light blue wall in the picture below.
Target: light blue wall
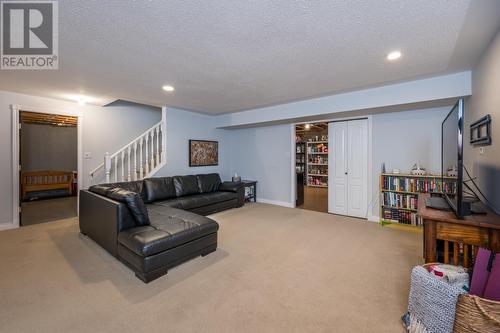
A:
(183, 126)
(263, 154)
(401, 139)
(418, 91)
(109, 128)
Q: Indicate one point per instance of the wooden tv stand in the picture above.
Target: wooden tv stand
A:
(466, 235)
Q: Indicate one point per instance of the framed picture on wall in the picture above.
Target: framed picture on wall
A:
(203, 153)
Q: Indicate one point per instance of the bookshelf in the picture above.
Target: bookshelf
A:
(317, 163)
(399, 196)
(300, 157)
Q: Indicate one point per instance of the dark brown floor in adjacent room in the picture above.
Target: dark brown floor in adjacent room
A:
(40, 211)
(315, 198)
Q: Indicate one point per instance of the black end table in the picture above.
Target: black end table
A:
(251, 187)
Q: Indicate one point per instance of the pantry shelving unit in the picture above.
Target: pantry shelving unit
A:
(317, 163)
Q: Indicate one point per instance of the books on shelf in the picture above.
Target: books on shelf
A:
(399, 195)
(418, 185)
(400, 200)
(399, 216)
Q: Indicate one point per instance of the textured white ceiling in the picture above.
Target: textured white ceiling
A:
(227, 55)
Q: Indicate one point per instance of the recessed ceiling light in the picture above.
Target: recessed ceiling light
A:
(307, 126)
(168, 88)
(394, 55)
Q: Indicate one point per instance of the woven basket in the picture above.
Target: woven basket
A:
(476, 314)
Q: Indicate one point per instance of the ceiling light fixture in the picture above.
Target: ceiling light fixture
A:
(394, 55)
(307, 126)
(168, 88)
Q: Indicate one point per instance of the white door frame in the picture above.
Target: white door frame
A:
(369, 214)
(16, 108)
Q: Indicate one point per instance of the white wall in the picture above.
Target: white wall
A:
(104, 129)
(485, 100)
(183, 126)
(263, 154)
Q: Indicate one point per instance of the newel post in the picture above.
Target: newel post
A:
(107, 166)
(163, 134)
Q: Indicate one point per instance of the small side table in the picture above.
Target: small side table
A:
(250, 190)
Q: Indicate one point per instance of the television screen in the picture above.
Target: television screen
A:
(452, 157)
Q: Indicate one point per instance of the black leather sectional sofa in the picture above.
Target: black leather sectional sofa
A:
(157, 223)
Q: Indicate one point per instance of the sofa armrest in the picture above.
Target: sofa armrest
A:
(101, 219)
(235, 187)
(231, 186)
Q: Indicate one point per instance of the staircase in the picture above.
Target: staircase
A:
(140, 158)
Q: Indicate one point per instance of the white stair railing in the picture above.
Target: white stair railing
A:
(140, 158)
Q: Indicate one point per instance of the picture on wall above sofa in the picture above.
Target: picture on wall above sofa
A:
(203, 153)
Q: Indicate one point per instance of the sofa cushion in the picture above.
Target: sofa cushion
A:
(169, 228)
(186, 185)
(197, 200)
(100, 189)
(208, 182)
(159, 188)
(134, 203)
(134, 186)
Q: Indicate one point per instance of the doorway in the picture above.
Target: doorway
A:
(311, 166)
(48, 163)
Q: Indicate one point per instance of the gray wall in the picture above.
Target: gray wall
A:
(183, 126)
(104, 129)
(46, 147)
(485, 100)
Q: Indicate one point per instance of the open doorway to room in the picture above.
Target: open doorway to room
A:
(48, 160)
(311, 166)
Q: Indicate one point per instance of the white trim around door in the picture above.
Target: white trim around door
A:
(369, 200)
(15, 155)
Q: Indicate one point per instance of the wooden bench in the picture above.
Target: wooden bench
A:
(35, 181)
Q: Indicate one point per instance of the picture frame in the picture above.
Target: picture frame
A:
(203, 153)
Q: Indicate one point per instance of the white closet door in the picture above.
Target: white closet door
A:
(337, 165)
(357, 167)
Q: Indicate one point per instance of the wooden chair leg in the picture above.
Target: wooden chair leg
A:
(446, 252)
(466, 256)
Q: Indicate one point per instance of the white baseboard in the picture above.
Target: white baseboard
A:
(373, 218)
(274, 202)
(7, 226)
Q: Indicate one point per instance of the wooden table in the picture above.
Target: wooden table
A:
(465, 236)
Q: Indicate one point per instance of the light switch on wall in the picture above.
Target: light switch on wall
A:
(481, 150)
(87, 155)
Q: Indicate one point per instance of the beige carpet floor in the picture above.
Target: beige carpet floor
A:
(276, 270)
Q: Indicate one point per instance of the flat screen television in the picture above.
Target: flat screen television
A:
(452, 157)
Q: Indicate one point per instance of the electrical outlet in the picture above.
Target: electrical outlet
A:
(87, 155)
(481, 150)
